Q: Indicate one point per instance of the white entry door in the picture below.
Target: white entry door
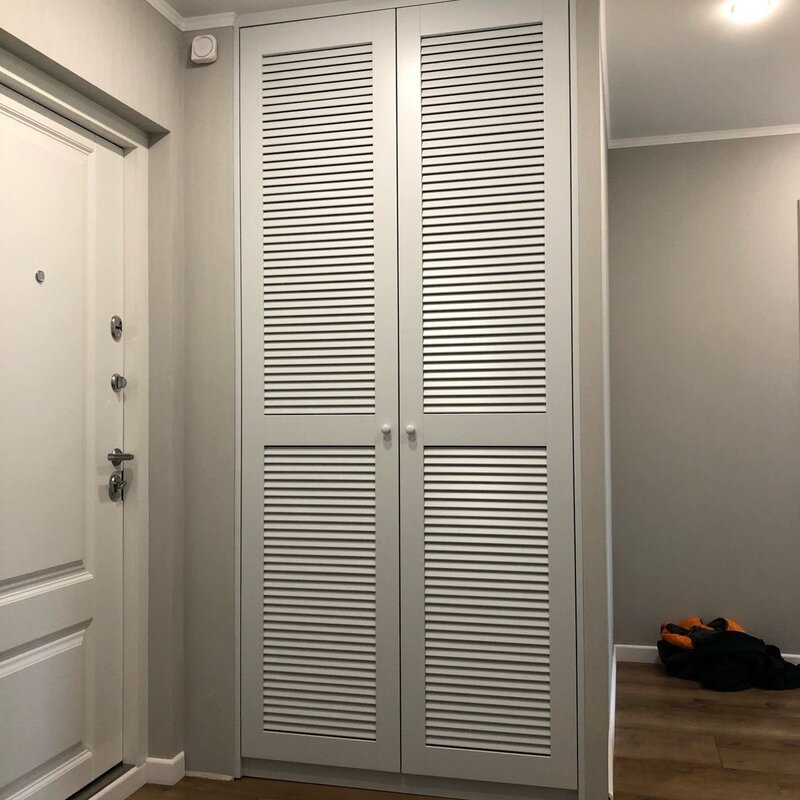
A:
(60, 532)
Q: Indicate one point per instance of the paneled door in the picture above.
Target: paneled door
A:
(60, 533)
(320, 599)
(487, 550)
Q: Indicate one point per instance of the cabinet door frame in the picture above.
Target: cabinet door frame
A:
(553, 429)
(321, 427)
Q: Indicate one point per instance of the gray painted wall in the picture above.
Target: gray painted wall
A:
(705, 374)
(123, 48)
(209, 423)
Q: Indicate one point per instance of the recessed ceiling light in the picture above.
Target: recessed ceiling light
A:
(750, 10)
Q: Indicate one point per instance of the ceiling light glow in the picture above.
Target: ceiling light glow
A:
(750, 10)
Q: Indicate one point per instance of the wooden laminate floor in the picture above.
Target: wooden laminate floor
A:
(257, 789)
(674, 741)
(677, 741)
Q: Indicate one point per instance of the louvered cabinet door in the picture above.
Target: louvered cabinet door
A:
(487, 548)
(319, 379)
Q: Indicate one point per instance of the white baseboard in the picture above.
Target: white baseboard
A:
(165, 771)
(124, 786)
(635, 654)
(648, 654)
(209, 776)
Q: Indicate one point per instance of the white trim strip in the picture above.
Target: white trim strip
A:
(166, 10)
(704, 136)
(225, 20)
(165, 771)
(28, 658)
(612, 723)
(61, 768)
(648, 654)
(124, 786)
(324, 9)
(50, 580)
(162, 771)
(209, 776)
(635, 654)
(47, 130)
(209, 21)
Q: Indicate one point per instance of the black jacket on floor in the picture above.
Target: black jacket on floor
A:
(731, 662)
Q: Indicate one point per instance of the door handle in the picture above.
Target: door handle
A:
(116, 456)
(411, 430)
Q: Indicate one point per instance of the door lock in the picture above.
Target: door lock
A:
(116, 328)
(116, 486)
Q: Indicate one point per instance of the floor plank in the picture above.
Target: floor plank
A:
(666, 746)
(751, 756)
(659, 780)
(706, 719)
(258, 789)
(678, 741)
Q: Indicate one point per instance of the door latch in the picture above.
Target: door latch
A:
(116, 486)
(116, 328)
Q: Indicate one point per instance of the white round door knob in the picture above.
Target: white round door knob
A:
(411, 430)
(386, 430)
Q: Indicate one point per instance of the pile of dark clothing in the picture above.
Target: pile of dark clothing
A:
(723, 657)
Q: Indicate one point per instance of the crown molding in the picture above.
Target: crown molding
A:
(704, 136)
(182, 23)
(226, 20)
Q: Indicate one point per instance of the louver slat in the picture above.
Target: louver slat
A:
(319, 621)
(483, 235)
(318, 232)
(487, 656)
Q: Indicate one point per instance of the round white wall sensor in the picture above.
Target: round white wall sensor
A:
(204, 49)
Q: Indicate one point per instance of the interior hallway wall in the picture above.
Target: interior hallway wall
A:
(209, 423)
(123, 48)
(705, 371)
(126, 56)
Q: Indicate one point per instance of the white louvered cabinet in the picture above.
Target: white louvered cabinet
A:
(406, 262)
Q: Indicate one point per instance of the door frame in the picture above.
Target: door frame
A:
(55, 99)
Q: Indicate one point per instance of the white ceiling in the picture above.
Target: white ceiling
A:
(196, 8)
(674, 66)
(682, 66)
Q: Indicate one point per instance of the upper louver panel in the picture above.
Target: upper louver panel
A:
(483, 221)
(318, 231)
